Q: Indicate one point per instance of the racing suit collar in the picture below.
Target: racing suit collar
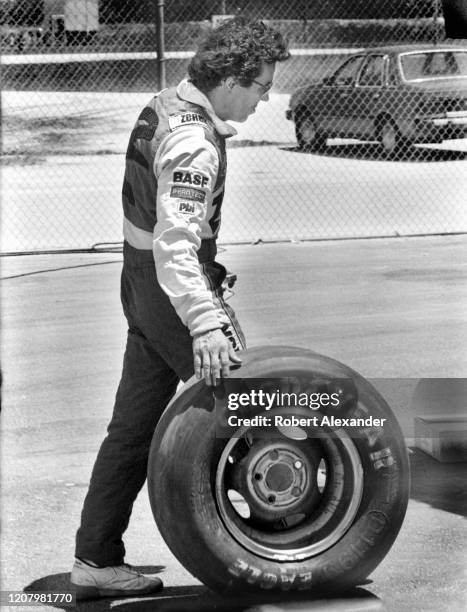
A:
(187, 91)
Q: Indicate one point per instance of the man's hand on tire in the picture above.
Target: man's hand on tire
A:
(212, 353)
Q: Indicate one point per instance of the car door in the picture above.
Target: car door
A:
(369, 96)
(340, 87)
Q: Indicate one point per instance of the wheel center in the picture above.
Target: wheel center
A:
(279, 477)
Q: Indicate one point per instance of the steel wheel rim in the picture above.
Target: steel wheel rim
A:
(265, 544)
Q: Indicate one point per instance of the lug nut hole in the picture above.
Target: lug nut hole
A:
(258, 476)
(271, 499)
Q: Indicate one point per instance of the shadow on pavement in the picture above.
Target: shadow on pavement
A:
(357, 599)
(441, 485)
(198, 598)
(372, 151)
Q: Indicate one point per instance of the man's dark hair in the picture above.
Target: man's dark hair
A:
(236, 48)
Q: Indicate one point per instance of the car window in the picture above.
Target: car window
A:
(347, 73)
(461, 61)
(434, 64)
(372, 74)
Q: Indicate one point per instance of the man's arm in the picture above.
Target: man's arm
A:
(186, 170)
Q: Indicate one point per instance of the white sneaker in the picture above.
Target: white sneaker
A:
(91, 582)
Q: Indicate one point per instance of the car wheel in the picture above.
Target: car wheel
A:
(391, 140)
(281, 509)
(309, 137)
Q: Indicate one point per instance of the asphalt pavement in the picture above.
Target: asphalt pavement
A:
(392, 309)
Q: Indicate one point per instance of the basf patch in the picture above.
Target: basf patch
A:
(190, 178)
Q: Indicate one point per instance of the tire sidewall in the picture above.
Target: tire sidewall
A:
(183, 463)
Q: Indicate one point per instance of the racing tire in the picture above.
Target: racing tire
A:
(309, 137)
(341, 528)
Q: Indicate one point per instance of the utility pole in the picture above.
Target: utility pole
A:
(161, 76)
(436, 12)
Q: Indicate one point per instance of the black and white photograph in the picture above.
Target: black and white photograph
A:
(233, 254)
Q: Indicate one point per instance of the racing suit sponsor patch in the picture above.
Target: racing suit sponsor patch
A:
(188, 193)
(190, 178)
(176, 121)
(186, 208)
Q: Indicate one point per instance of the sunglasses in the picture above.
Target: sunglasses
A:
(264, 88)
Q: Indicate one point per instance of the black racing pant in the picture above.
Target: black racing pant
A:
(158, 355)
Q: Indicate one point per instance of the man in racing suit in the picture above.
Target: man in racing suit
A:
(171, 286)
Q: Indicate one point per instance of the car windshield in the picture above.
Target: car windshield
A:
(440, 64)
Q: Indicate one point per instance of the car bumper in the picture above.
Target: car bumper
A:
(451, 125)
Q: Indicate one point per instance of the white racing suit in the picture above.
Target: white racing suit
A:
(181, 139)
(171, 289)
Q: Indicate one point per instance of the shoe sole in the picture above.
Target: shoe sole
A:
(90, 592)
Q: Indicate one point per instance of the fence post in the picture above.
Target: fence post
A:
(436, 12)
(161, 77)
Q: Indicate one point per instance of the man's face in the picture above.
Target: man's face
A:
(244, 100)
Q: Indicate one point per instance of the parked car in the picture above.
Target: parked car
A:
(20, 39)
(395, 95)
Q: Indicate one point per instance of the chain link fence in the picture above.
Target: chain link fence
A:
(376, 147)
